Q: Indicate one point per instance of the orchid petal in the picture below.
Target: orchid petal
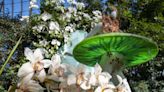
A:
(38, 55)
(25, 69)
(104, 78)
(119, 79)
(71, 79)
(27, 78)
(46, 63)
(29, 54)
(42, 75)
(85, 85)
(98, 89)
(56, 59)
(97, 69)
(93, 80)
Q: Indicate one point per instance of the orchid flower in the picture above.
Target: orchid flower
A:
(110, 87)
(57, 70)
(79, 77)
(36, 65)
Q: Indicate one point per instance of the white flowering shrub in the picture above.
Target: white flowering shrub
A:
(53, 27)
(51, 66)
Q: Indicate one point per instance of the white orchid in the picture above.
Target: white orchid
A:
(79, 77)
(46, 16)
(123, 85)
(36, 65)
(57, 70)
(29, 86)
(110, 87)
(80, 5)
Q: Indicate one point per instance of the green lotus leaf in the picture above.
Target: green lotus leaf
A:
(135, 49)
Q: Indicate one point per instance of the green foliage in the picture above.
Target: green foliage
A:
(148, 29)
(10, 55)
(10, 31)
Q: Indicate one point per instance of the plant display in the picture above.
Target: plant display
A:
(67, 52)
(113, 52)
(56, 38)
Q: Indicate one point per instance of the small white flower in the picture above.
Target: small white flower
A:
(46, 16)
(97, 13)
(57, 69)
(79, 77)
(25, 18)
(69, 29)
(55, 42)
(60, 8)
(98, 77)
(38, 28)
(29, 86)
(43, 42)
(68, 15)
(72, 10)
(33, 4)
(72, 2)
(54, 26)
(36, 64)
(80, 5)
(86, 16)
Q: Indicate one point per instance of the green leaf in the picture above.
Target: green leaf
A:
(134, 49)
(10, 55)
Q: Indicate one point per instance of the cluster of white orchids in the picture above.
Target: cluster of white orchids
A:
(54, 75)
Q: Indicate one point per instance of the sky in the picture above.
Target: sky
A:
(17, 7)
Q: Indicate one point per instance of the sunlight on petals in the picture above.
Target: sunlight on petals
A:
(38, 55)
(71, 79)
(46, 63)
(46, 16)
(104, 78)
(25, 69)
(29, 54)
(85, 85)
(42, 75)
